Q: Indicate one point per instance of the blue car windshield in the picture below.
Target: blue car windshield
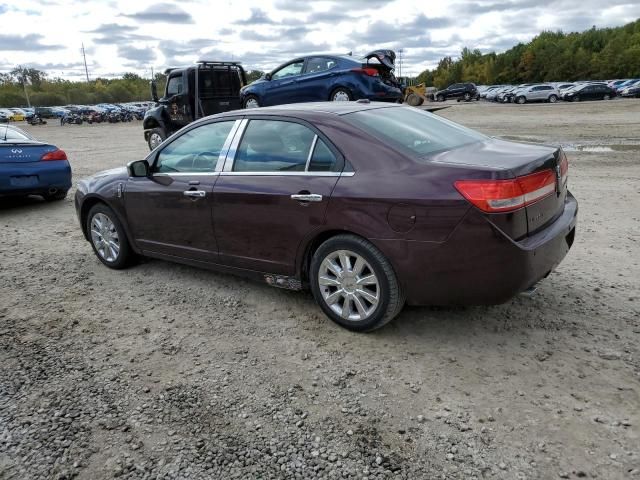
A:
(416, 131)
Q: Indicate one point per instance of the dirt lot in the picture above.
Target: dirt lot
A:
(165, 371)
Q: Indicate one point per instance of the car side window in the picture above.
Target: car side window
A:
(319, 64)
(195, 151)
(288, 70)
(174, 86)
(322, 159)
(273, 146)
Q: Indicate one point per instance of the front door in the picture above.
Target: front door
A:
(282, 87)
(170, 211)
(177, 100)
(272, 195)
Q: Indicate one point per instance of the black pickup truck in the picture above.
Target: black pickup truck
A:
(193, 92)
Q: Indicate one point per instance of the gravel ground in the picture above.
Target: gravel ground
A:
(165, 371)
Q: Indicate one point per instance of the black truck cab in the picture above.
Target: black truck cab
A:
(196, 91)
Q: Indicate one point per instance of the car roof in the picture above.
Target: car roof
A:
(336, 108)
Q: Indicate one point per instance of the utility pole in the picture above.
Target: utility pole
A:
(400, 52)
(86, 70)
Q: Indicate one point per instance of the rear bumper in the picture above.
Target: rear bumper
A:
(49, 176)
(478, 264)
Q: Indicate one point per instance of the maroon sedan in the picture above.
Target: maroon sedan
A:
(368, 205)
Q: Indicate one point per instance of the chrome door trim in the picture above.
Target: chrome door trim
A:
(287, 174)
(233, 148)
(313, 147)
(226, 145)
(185, 174)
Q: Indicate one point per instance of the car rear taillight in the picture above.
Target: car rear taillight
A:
(564, 169)
(55, 155)
(372, 72)
(495, 196)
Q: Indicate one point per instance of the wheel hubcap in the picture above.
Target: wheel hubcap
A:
(252, 103)
(348, 285)
(341, 96)
(104, 237)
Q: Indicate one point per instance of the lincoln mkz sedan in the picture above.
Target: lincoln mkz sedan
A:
(369, 205)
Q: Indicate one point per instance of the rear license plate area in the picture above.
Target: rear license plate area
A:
(24, 181)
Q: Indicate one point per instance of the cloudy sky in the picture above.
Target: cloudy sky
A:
(121, 36)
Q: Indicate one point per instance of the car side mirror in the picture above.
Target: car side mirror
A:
(154, 91)
(139, 168)
(267, 76)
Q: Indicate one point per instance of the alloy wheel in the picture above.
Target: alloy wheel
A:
(104, 237)
(349, 286)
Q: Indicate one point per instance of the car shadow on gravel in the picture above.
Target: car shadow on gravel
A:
(16, 203)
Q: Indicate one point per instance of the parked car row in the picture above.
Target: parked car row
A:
(88, 113)
(553, 91)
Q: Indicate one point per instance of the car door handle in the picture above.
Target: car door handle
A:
(195, 193)
(307, 197)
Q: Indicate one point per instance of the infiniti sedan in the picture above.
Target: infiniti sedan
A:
(368, 205)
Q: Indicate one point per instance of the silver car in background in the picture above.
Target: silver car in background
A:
(537, 93)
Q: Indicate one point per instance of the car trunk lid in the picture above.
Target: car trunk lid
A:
(384, 63)
(23, 151)
(513, 177)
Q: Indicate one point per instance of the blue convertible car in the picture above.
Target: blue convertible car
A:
(326, 77)
(29, 167)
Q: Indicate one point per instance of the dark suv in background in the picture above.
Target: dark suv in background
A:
(460, 91)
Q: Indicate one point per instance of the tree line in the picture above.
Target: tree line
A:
(595, 54)
(43, 91)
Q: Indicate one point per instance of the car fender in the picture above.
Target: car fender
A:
(155, 117)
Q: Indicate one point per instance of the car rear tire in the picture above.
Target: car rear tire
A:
(108, 238)
(414, 100)
(251, 102)
(354, 284)
(607, 97)
(341, 95)
(53, 197)
(156, 137)
(553, 98)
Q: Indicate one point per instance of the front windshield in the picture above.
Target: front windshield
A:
(413, 130)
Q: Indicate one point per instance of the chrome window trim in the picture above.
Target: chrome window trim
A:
(233, 148)
(225, 147)
(184, 174)
(311, 150)
(287, 174)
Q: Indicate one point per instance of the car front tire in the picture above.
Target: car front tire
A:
(521, 100)
(440, 98)
(251, 102)
(108, 238)
(354, 284)
(156, 137)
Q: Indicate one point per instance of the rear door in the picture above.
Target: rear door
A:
(272, 194)
(314, 83)
(170, 211)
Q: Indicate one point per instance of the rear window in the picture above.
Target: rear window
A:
(9, 134)
(416, 131)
